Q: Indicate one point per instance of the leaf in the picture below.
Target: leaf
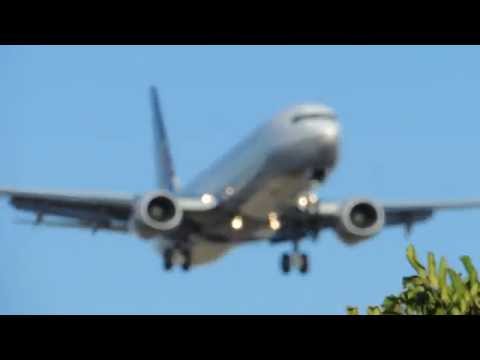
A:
(411, 311)
(442, 280)
(474, 290)
(374, 310)
(352, 310)
(457, 283)
(472, 272)
(440, 311)
(432, 276)
(455, 311)
(390, 302)
(392, 305)
(412, 281)
(477, 302)
(412, 259)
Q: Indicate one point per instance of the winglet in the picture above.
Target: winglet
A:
(164, 163)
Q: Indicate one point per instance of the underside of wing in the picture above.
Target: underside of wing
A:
(93, 210)
(85, 210)
(87, 206)
(356, 220)
(407, 213)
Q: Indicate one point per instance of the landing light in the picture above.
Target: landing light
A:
(207, 198)
(273, 221)
(302, 201)
(237, 223)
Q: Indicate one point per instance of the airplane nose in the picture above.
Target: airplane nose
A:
(329, 138)
(329, 132)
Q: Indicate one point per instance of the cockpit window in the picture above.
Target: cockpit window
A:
(313, 116)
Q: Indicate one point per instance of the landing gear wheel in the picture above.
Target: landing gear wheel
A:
(187, 260)
(168, 259)
(285, 263)
(304, 265)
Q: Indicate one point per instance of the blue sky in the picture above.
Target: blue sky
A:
(77, 118)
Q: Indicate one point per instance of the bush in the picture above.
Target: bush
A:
(432, 291)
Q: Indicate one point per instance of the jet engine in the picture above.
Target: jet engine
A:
(156, 212)
(360, 220)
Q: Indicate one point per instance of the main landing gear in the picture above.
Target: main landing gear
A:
(295, 259)
(175, 256)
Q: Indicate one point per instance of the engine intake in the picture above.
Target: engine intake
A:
(161, 209)
(360, 220)
(156, 212)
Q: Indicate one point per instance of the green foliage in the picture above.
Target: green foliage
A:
(432, 291)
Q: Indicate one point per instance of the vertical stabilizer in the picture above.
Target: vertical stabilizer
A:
(163, 158)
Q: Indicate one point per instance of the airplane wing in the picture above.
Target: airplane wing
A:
(95, 211)
(307, 222)
(88, 210)
(408, 213)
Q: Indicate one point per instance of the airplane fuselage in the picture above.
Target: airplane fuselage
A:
(263, 176)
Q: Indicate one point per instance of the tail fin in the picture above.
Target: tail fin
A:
(164, 164)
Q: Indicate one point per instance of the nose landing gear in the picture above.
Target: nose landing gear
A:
(295, 259)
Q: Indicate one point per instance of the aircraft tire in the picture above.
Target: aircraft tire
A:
(168, 259)
(304, 267)
(187, 262)
(285, 263)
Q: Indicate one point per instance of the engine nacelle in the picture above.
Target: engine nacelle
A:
(156, 212)
(360, 220)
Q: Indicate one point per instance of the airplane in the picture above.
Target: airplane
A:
(261, 190)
